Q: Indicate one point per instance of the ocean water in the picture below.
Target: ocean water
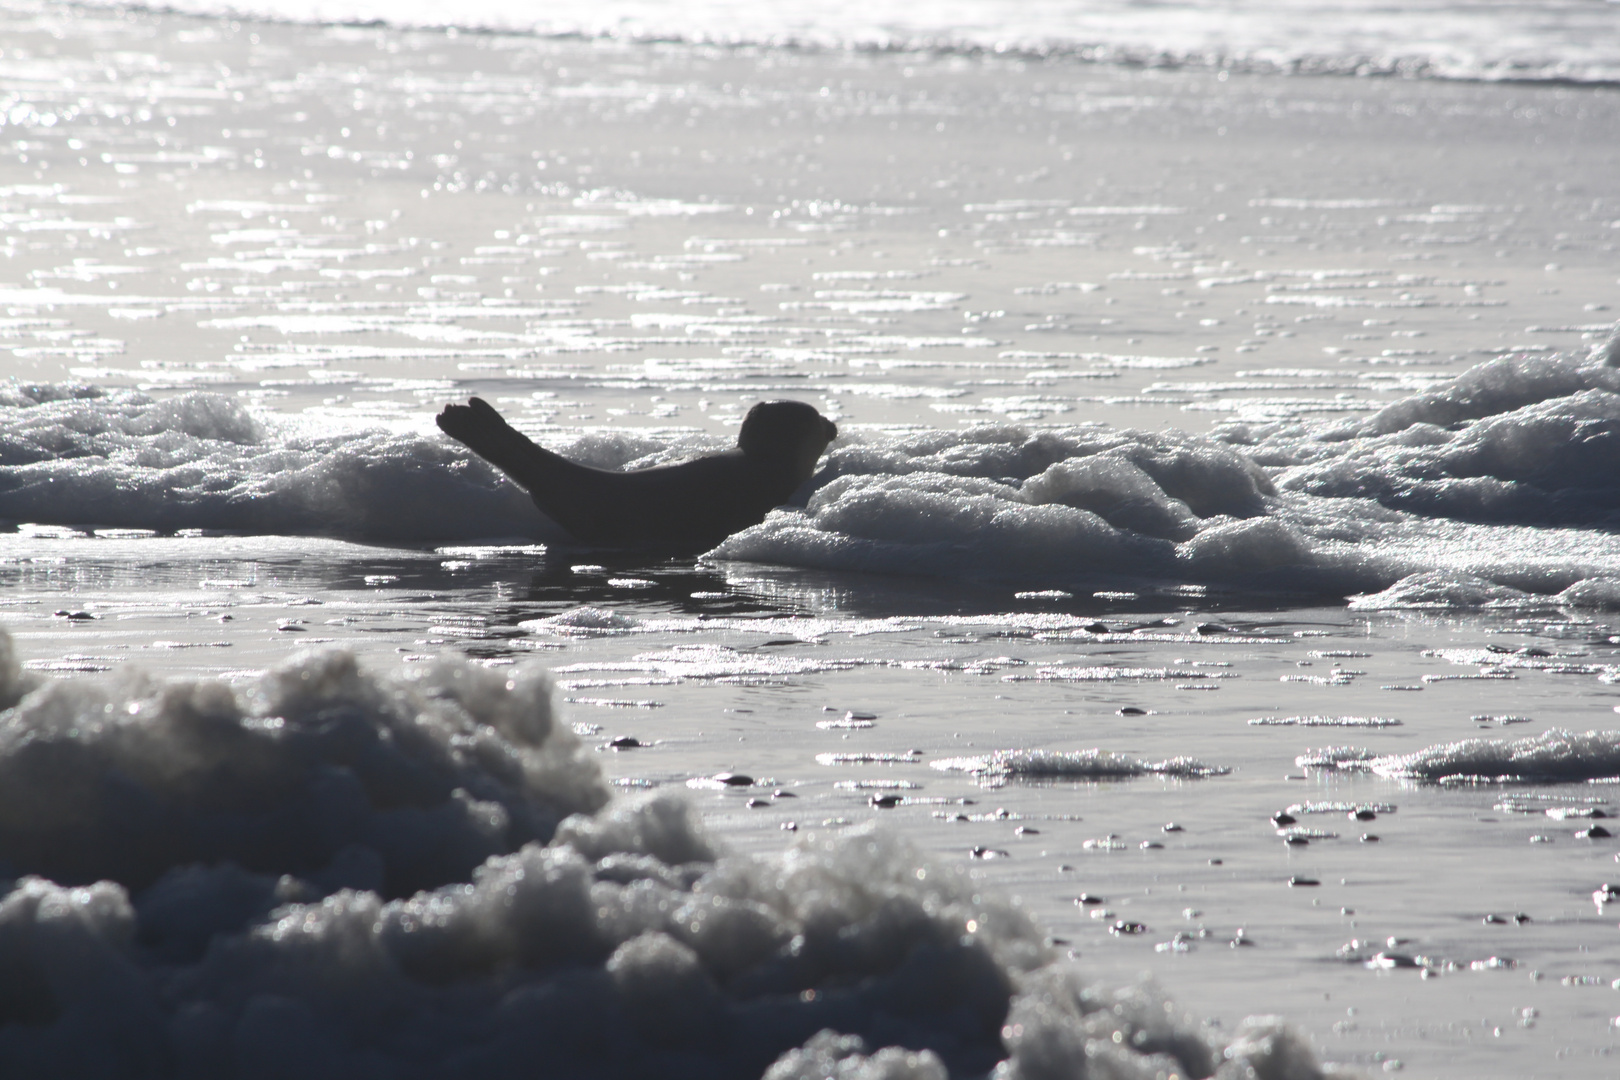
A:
(1196, 656)
(1551, 40)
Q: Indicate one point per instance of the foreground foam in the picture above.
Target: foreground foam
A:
(626, 942)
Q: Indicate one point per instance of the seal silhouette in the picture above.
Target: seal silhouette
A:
(679, 509)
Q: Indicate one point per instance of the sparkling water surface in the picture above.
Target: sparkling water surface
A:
(245, 263)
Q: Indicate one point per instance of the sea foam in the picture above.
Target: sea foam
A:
(1457, 485)
(236, 906)
(76, 455)
(1549, 758)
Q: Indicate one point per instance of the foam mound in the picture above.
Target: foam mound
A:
(1552, 757)
(1449, 485)
(321, 770)
(1437, 589)
(74, 455)
(1514, 440)
(620, 941)
(1003, 765)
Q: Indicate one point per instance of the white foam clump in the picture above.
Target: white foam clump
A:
(1052, 506)
(320, 770)
(1551, 757)
(1325, 721)
(587, 620)
(624, 943)
(1453, 485)
(1092, 764)
(1438, 589)
(1516, 439)
(77, 456)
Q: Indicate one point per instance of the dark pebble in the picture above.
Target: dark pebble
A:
(1298, 882)
(780, 794)
(1364, 815)
(1025, 830)
(734, 779)
(885, 802)
(1596, 832)
(988, 853)
(1096, 628)
(1170, 827)
(1369, 838)
(1123, 927)
(1521, 918)
(1213, 628)
(626, 742)
(1495, 920)
(77, 616)
(1132, 710)
(759, 802)
(1217, 862)
(1281, 818)
(1086, 899)
(1297, 841)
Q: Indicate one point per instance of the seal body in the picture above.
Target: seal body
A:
(672, 509)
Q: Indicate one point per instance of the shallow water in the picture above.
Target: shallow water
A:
(1140, 374)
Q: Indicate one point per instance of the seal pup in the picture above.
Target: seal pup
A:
(671, 509)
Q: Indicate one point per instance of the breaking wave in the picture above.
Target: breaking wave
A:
(1448, 498)
(336, 872)
(1562, 41)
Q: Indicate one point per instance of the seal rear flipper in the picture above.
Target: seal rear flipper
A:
(554, 483)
